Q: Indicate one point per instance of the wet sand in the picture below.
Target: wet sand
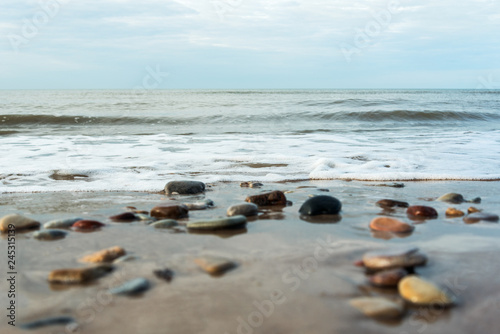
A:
(293, 276)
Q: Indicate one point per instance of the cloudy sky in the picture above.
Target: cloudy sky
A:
(249, 44)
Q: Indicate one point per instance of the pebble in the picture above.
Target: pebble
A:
(272, 198)
(165, 223)
(18, 221)
(218, 223)
(452, 212)
(321, 205)
(87, 225)
(165, 274)
(197, 206)
(476, 200)
(132, 287)
(124, 217)
(105, 255)
(80, 275)
(377, 307)
(251, 184)
(397, 257)
(452, 198)
(50, 234)
(214, 265)
(388, 224)
(473, 210)
(245, 209)
(388, 278)
(421, 211)
(61, 223)
(170, 211)
(421, 292)
(184, 187)
(390, 203)
(476, 217)
(62, 320)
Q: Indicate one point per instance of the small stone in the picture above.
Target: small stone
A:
(124, 217)
(387, 278)
(132, 287)
(61, 223)
(476, 217)
(273, 198)
(452, 198)
(216, 224)
(184, 187)
(62, 320)
(377, 307)
(214, 265)
(165, 223)
(87, 225)
(388, 224)
(105, 255)
(251, 184)
(390, 203)
(245, 209)
(421, 211)
(165, 274)
(320, 205)
(18, 222)
(80, 275)
(170, 211)
(397, 257)
(196, 206)
(47, 235)
(476, 200)
(421, 292)
(452, 212)
(473, 210)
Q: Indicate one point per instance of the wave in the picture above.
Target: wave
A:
(258, 117)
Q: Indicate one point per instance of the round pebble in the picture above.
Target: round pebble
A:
(18, 222)
(388, 224)
(397, 257)
(170, 211)
(48, 235)
(452, 198)
(388, 278)
(377, 307)
(476, 217)
(105, 255)
(216, 224)
(452, 212)
(390, 203)
(245, 209)
(421, 211)
(268, 199)
(79, 275)
(184, 187)
(131, 287)
(421, 292)
(165, 223)
(87, 225)
(61, 223)
(321, 205)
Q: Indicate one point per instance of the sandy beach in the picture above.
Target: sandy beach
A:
(292, 276)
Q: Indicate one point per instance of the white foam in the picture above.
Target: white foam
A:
(146, 163)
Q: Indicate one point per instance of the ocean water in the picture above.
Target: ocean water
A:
(99, 140)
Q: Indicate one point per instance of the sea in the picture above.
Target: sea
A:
(132, 140)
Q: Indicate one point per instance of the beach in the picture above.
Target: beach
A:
(291, 275)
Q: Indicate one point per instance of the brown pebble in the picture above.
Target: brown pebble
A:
(388, 278)
(452, 212)
(273, 198)
(421, 211)
(389, 203)
(476, 217)
(80, 275)
(18, 222)
(214, 265)
(124, 217)
(473, 210)
(388, 224)
(105, 255)
(165, 274)
(396, 257)
(170, 211)
(83, 225)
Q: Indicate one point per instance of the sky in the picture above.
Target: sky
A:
(238, 44)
